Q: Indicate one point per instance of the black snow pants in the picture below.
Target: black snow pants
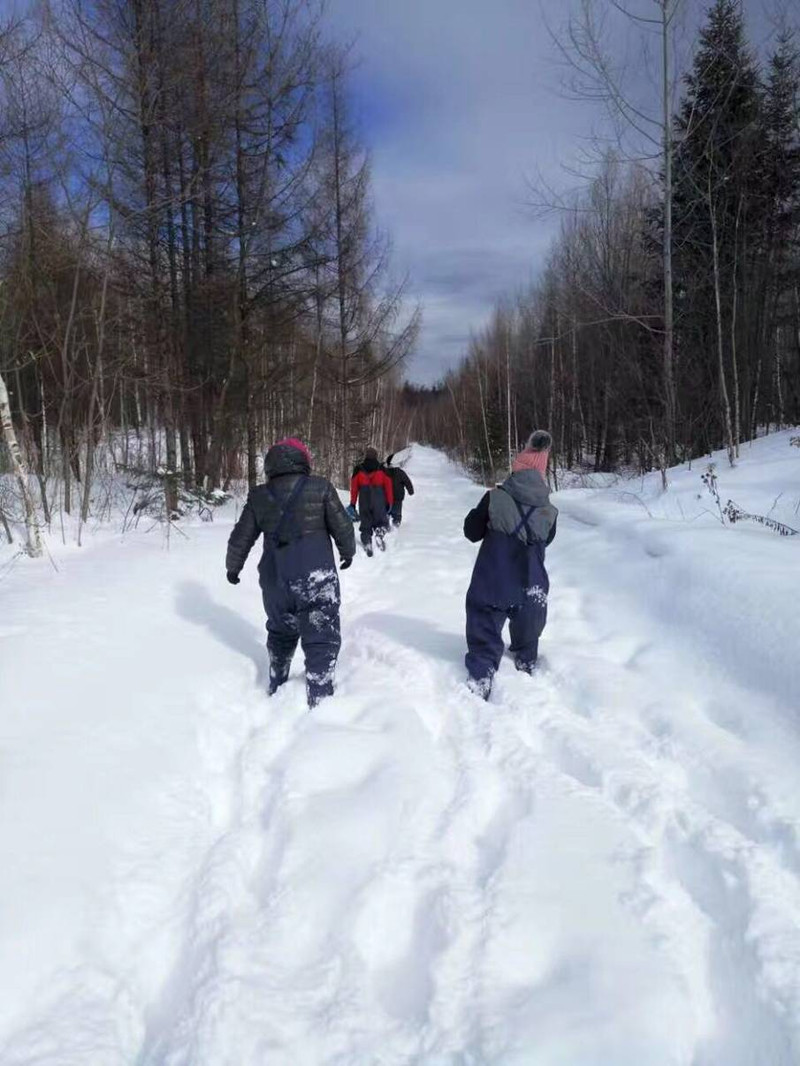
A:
(300, 589)
(372, 512)
(306, 612)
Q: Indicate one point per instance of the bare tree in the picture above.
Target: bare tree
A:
(370, 341)
(598, 76)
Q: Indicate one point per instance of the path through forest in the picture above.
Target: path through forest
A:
(599, 866)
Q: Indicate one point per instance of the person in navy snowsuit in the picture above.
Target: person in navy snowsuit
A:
(515, 522)
(371, 488)
(297, 514)
(401, 483)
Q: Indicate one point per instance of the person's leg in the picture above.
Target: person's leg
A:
(282, 636)
(321, 639)
(366, 528)
(484, 645)
(397, 514)
(526, 625)
(381, 529)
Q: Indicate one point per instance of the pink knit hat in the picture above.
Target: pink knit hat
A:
(293, 442)
(536, 453)
(531, 461)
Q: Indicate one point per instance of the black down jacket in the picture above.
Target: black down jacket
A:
(317, 510)
(401, 482)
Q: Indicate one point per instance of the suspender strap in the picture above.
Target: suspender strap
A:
(524, 518)
(287, 508)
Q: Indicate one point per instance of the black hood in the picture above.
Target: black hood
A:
(284, 459)
(371, 465)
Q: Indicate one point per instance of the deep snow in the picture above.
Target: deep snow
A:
(599, 868)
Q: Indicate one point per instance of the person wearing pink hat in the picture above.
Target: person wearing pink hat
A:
(514, 523)
(298, 515)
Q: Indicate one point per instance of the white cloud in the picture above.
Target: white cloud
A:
(461, 102)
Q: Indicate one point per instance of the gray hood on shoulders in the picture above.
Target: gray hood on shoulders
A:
(529, 487)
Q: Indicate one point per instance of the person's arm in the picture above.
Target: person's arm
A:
(407, 482)
(243, 536)
(355, 485)
(477, 520)
(388, 488)
(551, 535)
(339, 524)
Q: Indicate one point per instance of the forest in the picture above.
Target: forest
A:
(191, 267)
(666, 322)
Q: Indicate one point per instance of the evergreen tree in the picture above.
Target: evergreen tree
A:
(780, 187)
(717, 223)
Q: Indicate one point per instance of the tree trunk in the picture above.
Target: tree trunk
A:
(756, 396)
(489, 459)
(779, 413)
(737, 428)
(508, 395)
(723, 384)
(33, 543)
(6, 526)
(670, 405)
(96, 378)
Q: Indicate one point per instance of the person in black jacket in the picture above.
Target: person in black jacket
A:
(515, 523)
(297, 514)
(401, 483)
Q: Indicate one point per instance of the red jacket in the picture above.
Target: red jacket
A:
(377, 479)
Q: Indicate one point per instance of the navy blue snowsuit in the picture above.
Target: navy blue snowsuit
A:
(297, 514)
(515, 521)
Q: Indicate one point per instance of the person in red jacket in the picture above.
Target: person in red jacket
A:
(371, 488)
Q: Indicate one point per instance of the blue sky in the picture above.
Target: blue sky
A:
(459, 101)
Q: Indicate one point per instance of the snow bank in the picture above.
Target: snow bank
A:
(734, 588)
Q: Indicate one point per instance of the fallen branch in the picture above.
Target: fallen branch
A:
(735, 514)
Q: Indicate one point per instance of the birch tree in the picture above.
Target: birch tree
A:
(33, 544)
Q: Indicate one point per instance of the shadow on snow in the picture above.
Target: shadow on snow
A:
(195, 605)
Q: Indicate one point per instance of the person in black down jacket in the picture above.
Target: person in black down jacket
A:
(401, 483)
(298, 515)
(515, 522)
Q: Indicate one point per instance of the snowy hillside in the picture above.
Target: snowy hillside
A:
(601, 867)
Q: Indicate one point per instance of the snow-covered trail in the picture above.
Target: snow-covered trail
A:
(601, 866)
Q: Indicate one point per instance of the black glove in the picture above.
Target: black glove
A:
(232, 578)
(344, 563)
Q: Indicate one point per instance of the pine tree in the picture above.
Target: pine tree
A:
(780, 186)
(716, 216)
